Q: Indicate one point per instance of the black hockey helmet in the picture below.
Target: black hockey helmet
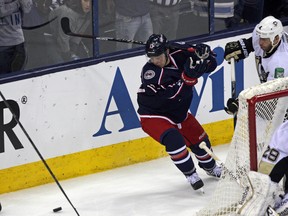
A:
(156, 45)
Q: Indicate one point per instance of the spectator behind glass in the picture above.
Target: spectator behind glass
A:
(278, 9)
(35, 40)
(246, 12)
(165, 17)
(12, 48)
(133, 20)
(65, 47)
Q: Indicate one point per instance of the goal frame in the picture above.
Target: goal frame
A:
(261, 110)
(252, 122)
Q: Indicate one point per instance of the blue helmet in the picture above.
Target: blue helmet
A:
(156, 45)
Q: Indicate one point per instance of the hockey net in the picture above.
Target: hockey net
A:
(262, 109)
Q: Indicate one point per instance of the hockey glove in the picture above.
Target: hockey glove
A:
(232, 106)
(202, 51)
(195, 68)
(237, 49)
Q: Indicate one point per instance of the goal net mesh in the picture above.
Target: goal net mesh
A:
(262, 109)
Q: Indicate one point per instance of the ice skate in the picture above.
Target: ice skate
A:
(195, 181)
(216, 171)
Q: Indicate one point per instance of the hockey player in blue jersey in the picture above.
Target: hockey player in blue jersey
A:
(164, 98)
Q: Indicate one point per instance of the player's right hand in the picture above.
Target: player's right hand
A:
(202, 51)
(195, 68)
(232, 106)
(236, 49)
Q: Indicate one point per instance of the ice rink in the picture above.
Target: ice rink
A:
(152, 188)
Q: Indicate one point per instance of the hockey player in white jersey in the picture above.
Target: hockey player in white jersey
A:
(269, 43)
(269, 198)
(276, 157)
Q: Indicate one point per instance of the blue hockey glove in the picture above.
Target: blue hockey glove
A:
(202, 51)
(195, 69)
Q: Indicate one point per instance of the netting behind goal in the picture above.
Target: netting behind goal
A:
(261, 110)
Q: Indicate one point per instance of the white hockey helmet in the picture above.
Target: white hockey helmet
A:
(269, 27)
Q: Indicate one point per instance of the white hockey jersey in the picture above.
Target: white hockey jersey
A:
(278, 146)
(276, 65)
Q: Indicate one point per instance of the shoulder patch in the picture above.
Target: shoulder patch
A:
(279, 72)
(149, 74)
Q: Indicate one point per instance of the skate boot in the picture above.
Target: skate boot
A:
(216, 171)
(195, 181)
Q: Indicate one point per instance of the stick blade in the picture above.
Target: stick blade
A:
(65, 24)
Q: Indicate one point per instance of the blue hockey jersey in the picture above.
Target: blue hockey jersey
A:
(172, 95)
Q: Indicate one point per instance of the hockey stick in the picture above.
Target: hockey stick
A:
(36, 149)
(65, 24)
(244, 198)
(230, 173)
(38, 26)
(233, 86)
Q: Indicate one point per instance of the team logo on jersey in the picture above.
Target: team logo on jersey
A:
(149, 74)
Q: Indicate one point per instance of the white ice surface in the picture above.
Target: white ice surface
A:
(152, 188)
